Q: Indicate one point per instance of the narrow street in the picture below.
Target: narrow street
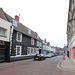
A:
(45, 67)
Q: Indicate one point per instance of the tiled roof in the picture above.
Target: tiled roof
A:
(21, 28)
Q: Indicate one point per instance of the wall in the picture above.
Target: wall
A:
(6, 25)
(26, 42)
(72, 48)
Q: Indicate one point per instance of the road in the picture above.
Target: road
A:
(45, 67)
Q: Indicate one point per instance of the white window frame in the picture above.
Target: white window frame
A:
(32, 41)
(20, 37)
(29, 50)
(20, 50)
(38, 43)
(33, 52)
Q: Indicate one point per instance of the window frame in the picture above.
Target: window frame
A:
(20, 50)
(5, 32)
(32, 41)
(20, 37)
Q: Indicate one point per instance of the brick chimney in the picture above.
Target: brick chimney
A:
(17, 18)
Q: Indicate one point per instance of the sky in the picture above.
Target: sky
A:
(46, 17)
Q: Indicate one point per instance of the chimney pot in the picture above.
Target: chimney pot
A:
(17, 18)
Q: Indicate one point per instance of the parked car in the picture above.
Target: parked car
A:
(52, 54)
(39, 57)
(55, 54)
(48, 55)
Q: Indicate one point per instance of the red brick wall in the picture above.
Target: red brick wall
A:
(73, 53)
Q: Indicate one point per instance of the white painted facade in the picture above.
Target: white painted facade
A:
(46, 48)
(52, 49)
(6, 26)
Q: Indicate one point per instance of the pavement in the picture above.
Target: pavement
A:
(8, 64)
(67, 64)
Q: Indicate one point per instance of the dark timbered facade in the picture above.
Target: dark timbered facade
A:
(24, 43)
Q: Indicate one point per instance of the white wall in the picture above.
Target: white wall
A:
(6, 25)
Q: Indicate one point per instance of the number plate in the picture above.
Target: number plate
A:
(36, 58)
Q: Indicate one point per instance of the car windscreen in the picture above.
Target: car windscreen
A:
(38, 55)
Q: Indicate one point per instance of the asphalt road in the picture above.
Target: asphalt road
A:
(45, 67)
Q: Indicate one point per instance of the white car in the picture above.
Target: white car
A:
(48, 55)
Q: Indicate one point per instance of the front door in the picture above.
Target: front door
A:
(2, 53)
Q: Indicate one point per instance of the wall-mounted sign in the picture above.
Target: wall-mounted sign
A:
(44, 50)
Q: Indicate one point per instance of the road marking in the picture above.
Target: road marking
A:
(59, 63)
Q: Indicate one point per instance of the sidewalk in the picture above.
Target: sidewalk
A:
(67, 64)
(8, 64)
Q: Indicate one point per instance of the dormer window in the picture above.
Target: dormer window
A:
(19, 37)
(4, 16)
(37, 36)
(28, 31)
(14, 22)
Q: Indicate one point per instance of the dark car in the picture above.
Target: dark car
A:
(39, 57)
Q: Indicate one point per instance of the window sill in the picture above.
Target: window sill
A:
(19, 41)
(3, 36)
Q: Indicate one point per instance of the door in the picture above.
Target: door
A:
(2, 53)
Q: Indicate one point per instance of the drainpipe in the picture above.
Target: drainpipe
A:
(11, 34)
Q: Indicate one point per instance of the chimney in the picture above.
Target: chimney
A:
(17, 18)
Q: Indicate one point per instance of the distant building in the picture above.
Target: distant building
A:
(46, 47)
(52, 49)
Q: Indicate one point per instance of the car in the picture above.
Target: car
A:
(55, 54)
(48, 55)
(39, 57)
(52, 54)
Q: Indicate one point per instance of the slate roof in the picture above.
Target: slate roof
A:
(20, 27)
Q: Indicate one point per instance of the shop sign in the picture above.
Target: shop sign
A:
(44, 50)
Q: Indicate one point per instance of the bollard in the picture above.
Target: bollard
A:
(63, 57)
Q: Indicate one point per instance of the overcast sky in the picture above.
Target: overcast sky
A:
(46, 17)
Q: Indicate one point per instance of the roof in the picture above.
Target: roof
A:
(20, 27)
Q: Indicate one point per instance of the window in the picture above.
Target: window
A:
(34, 51)
(28, 31)
(28, 51)
(32, 41)
(2, 32)
(14, 22)
(40, 44)
(19, 37)
(4, 16)
(37, 36)
(18, 50)
(31, 51)
(37, 43)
